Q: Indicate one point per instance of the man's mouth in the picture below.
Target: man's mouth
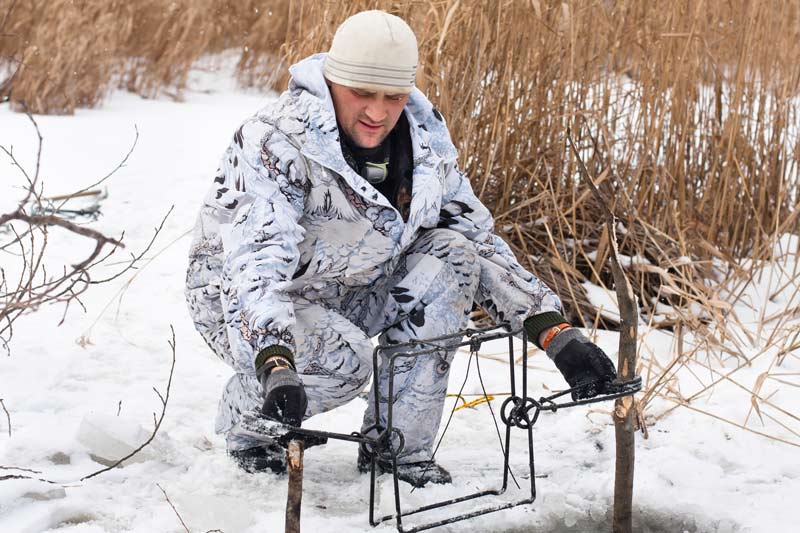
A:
(370, 127)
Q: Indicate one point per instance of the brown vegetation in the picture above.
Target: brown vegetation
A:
(682, 111)
(687, 104)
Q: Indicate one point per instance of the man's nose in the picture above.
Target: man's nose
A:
(376, 111)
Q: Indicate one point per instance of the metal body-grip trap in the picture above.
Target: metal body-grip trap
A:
(518, 411)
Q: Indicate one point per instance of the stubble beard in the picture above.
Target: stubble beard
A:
(367, 141)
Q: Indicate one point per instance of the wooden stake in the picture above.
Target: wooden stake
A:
(624, 408)
(294, 457)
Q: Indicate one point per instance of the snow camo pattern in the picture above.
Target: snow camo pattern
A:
(294, 248)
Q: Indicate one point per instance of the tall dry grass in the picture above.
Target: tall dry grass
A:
(683, 109)
(69, 53)
(688, 108)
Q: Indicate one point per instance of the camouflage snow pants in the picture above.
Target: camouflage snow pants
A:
(429, 294)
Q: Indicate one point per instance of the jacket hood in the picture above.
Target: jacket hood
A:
(307, 75)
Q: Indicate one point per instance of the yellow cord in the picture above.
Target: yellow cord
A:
(477, 401)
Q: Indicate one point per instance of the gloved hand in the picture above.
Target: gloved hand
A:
(284, 396)
(582, 363)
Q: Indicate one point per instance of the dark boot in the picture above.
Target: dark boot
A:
(416, 474)
(268, 458)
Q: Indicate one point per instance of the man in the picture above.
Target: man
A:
(339, 214)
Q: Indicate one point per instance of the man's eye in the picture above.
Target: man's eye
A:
(395, 97)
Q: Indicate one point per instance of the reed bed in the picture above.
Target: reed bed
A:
(686, 113)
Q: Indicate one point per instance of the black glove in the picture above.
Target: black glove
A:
(582, 363)
(284, 396)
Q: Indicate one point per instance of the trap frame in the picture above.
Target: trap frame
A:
(517, 411)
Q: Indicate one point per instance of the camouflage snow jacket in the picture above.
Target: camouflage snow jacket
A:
(287, 218)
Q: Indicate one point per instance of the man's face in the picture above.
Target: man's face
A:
(366, 117)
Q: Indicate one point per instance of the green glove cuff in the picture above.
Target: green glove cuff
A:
(270, 351)
(536, 324)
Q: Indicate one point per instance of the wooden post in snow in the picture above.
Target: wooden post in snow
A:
(294, 457)
(625, 407)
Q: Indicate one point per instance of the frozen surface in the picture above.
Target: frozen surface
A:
(73, 408)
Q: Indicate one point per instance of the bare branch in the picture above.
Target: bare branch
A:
(31, 189)
(85, 338)
(8, 416)
(158, 422)
(17, 476)
(113, 171)
(28, 231)
(136, 258)
(20, 469)
(173, 508)
(52, 220)
(163, 401)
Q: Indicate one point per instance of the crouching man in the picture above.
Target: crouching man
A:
(339, 214)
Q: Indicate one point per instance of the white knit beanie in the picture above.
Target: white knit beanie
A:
(373, 50)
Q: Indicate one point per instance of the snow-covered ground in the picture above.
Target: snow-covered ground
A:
(68, 401)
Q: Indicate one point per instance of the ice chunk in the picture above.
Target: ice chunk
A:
(110, 438)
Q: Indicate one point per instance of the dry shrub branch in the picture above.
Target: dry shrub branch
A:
(163, 398)
(27, 232)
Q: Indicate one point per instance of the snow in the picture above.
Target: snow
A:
(604, 299)
(72, 405)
